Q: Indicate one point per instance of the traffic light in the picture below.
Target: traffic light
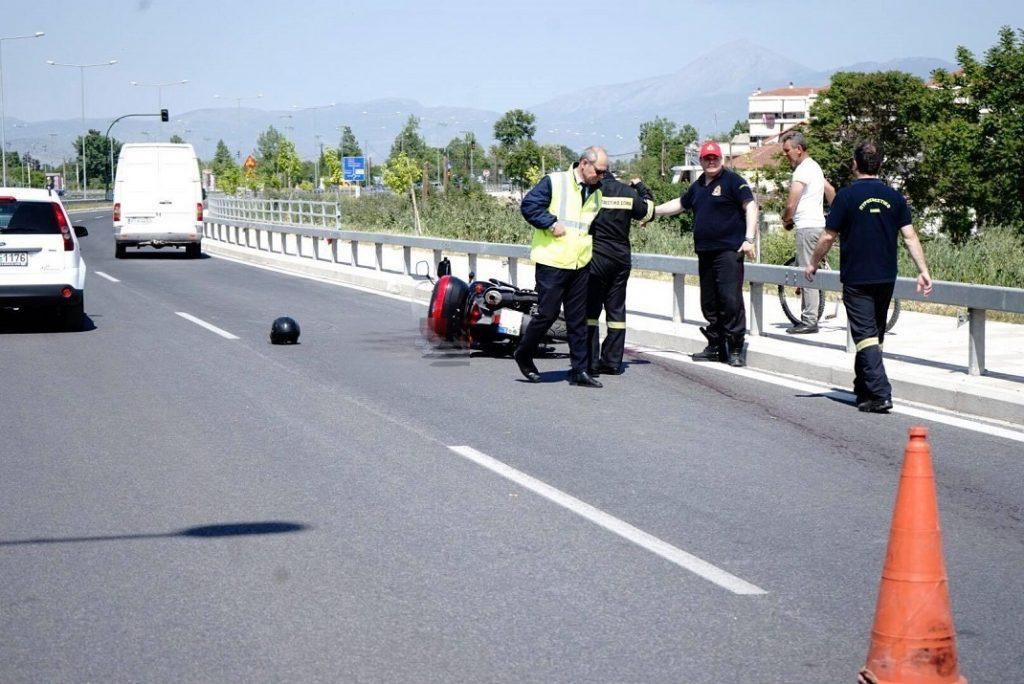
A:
(164, 116)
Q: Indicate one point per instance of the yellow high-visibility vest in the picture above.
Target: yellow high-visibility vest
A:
(574, 249)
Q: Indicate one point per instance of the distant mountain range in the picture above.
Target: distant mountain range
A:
(710, 92)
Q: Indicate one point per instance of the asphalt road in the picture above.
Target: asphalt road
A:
(179, 506)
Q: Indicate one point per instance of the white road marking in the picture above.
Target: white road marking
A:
(642, 539)
(923, 411)
(973, 423)
(209, 326)
(111, 278)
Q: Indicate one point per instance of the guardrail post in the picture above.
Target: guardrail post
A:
(378, 253)
(472, 263)
(354, 251)
(976, 345)
(407, 259)
(757, 309)
(437, 257)
(513, 271)
(678, 297)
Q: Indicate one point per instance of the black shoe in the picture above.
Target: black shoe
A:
(583, 379)
(875, 406)
(802, 329)
(710, 353)
(594, 372)
(736, 359)
(526, 366)
(608, 369)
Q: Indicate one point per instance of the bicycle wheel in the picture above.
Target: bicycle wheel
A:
(786, 292)
(894, 314)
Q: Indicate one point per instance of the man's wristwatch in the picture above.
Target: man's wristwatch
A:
(750, 240)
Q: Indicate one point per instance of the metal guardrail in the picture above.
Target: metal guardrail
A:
(254, 223)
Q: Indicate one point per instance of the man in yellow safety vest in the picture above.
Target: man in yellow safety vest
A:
(560, 208)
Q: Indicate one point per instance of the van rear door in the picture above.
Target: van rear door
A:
(178, 190)
(136, 189)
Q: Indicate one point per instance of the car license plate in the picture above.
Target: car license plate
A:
(511, 322)
(13, 258)
(140, 219)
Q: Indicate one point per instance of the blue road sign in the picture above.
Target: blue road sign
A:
(354, 168)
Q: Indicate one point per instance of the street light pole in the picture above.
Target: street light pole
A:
(316, 136)
(81, 71)
(3, 104)
(238, 116)
(159, 89)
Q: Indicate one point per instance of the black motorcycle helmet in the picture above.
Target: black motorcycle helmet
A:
(284, 331)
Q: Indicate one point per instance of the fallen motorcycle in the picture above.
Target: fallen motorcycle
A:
(483, 314)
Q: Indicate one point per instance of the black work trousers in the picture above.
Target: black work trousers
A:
(606, 290)
(867, 307)
(566, 289)
(721, 295)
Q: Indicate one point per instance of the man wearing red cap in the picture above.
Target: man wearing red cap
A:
(724, 227)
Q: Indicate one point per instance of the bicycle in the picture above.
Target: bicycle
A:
(786, 292)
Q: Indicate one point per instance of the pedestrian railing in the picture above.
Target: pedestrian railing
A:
(280, 226)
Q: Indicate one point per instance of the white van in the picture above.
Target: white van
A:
(158, 200)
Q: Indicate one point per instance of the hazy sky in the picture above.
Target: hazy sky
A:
(493, 55)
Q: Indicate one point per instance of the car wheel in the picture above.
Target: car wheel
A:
(120, 251)
(72, 316)
(193, 251)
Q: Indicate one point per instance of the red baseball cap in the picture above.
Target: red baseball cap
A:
(710, 148)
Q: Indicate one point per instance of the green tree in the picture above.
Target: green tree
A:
(97, 159)
(228, 179)
(288, 163)
(886, 107)
(268, 145)
(519, 160)
(663, 145)
(400, 172)
(332, 167)
(410, 143)
(349, 146)
(176, 139)
(222, 158)
(514, 127)
(996, 90)
(557, 157)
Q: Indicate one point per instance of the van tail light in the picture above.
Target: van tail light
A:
(65, 229)
(117, 211)
(66, 293)
(199, 211)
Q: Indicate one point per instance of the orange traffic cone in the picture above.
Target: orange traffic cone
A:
(913, 641)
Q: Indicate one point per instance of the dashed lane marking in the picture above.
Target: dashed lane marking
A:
(687, 561)
(111, 278)
(209, 326)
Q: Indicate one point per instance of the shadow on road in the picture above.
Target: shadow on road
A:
(160, 254)
(30, 322)
(202, 532)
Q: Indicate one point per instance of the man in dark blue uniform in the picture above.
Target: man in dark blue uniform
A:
(866, 216)
(610, 267)
(724, 227)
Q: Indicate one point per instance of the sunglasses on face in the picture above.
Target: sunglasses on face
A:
(599, 172)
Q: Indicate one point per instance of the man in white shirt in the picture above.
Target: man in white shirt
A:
(804, 212)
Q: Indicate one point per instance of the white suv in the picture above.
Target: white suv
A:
(40, 262)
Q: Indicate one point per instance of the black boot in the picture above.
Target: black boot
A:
(734, 352)
(712, 352)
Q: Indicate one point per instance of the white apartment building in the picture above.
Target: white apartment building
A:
(772, 112)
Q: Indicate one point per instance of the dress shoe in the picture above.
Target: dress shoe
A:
(608, 369)
(526, 367)
(583, 379)
(875, 406)
(802, 329)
